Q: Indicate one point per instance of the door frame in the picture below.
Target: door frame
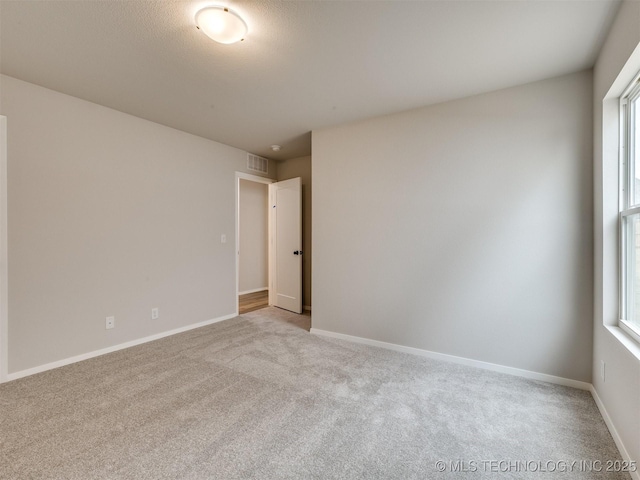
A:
(4, 291)
(251, 178)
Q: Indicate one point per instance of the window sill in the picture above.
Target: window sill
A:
(629, 343)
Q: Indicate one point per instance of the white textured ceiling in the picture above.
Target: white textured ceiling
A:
(304, 64)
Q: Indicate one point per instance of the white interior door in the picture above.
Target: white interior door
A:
(285, 245)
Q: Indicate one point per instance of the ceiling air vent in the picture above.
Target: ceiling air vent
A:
(257, 164)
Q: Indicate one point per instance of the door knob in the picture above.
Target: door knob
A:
(298, 252)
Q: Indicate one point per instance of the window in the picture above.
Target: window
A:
(630, 209)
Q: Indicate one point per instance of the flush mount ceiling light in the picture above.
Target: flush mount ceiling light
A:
(221, 24)
(276, 148)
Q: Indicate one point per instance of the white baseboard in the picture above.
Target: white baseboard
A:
(614, 433)
(255, 290)
(502, 369)
(115, 348)
(307, 307)
(460, 360)
(390, 346)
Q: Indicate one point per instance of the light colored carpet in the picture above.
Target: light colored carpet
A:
(257, 397)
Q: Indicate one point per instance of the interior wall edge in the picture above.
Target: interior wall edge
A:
(4, 291)
(612, 430)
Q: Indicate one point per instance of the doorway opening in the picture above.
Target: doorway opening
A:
(252, 242)
(268, 243)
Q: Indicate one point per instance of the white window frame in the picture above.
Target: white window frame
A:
(627, 207)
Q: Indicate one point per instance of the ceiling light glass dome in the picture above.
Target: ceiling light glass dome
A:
(221, 24)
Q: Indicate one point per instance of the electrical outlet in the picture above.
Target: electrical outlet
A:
(155, 313)
(602, 370)
(111, 322)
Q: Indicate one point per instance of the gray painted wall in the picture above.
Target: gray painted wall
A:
(463, 228)
(620, 390)
(110, 214)
(253, 270)
(301, 167)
